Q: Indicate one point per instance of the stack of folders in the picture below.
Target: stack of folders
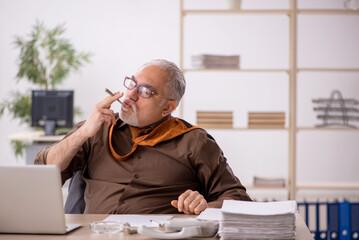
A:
(331, 220)
(215, 61)
(214, 119)
(266, 119)
(258, 220)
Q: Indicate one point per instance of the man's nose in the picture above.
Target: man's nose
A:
(133, 94)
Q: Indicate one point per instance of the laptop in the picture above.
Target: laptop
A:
(31, 200)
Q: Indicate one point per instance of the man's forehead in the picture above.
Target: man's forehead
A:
(151, 74)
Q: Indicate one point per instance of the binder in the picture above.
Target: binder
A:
(354, 211)
(344, 220)
(312, 219)
(322, 222)
(303, 209)
(333, 221)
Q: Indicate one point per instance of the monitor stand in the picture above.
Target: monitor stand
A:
(50, 127)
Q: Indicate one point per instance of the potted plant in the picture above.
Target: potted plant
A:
(45, 60)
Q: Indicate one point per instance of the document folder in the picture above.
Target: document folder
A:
(312, 218)
(333, 221)
(344, 220)
(354, 220)
(322, 220)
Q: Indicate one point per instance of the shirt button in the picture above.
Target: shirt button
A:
(136, 176)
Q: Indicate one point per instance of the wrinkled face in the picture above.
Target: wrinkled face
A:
(141, 112)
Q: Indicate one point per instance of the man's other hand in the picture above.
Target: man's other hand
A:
(190, 202)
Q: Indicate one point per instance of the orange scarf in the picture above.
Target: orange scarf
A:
(167, 130)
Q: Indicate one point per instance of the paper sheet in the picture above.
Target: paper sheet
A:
(259, 208)
(213, 214)
(258, 220)
(139, 220)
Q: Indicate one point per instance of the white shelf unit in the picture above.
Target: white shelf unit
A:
(332, 71)
(292, 72)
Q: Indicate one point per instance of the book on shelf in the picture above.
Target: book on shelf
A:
(266, 119)
(214, 125)
(214, 114)
(264, 115)
(266, 181)
(215, 61)
(215, 119)
(269, 126)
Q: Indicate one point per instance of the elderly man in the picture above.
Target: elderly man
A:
(144, 160)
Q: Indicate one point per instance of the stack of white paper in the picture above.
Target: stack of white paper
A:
(258, 220)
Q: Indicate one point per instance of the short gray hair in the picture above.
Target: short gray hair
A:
(177, 83)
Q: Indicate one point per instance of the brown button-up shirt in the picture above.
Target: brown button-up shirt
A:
(153, 176)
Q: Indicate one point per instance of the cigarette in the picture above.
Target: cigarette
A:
(109, 92)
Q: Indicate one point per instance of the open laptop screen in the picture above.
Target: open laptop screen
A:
(31, 200)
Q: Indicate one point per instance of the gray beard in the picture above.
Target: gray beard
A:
(130, 119)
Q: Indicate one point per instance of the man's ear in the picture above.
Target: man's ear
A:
(169, 107)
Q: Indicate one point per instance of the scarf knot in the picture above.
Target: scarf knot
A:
(167, 130)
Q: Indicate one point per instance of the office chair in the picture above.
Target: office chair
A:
(75, 202)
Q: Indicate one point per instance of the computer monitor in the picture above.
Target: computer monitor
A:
(51, 109)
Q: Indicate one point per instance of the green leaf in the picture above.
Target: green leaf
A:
(46, 58)
(18, 147)
(19, 106)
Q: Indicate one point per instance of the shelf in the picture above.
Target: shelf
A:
(34, 136)
(293, 13)
(272, 11)
(248, 129)
(224, 11)
(234, 70)
(272, 70)
(329, 186)
(252, 187)
(328, 70)
(329, 11)
(326, 129)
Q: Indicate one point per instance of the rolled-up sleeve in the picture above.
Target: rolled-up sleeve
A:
(77, 163)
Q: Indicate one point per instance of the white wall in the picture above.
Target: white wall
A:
(123, 34)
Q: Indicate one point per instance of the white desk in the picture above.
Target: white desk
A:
(35, 136)
(36, 140)
(85, 233)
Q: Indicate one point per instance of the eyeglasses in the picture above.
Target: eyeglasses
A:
(142, 91)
